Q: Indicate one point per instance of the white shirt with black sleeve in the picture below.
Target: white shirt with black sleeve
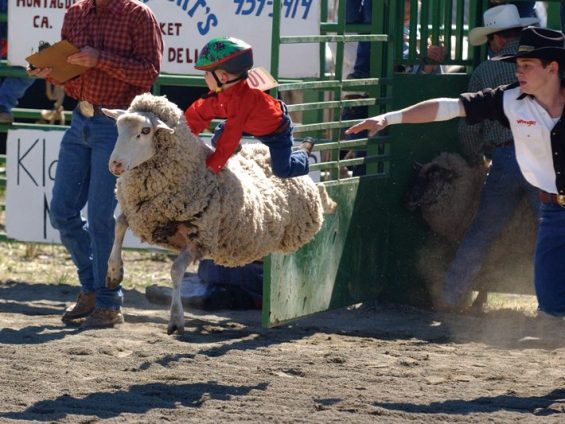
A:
(539, 139)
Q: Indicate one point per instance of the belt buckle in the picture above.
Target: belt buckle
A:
(561, 200)
(86, 109)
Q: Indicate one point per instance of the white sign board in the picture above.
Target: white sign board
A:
(186, 26)
(31, 161)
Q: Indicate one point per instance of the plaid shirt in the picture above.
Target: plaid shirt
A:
(128, 38)
(479, 139)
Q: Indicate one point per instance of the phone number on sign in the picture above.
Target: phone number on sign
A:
(289, 8)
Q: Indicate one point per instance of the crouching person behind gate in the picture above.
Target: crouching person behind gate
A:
(120, 44)
(533, 109)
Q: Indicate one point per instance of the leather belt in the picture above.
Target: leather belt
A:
(550, 198)
(282, 128)
(88, 110)
(507, 143)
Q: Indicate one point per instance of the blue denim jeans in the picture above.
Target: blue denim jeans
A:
(526, 9)
(82, 176)
(12, 90)
(503, 190)
(549, 266)
(284, 162)
(360, 11)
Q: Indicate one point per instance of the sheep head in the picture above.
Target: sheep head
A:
(431, 181)
(135, 143)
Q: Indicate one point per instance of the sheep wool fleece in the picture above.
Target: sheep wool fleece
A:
(235, 217)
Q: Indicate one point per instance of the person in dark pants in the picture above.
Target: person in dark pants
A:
(533, 109)
(12, 89)
(360, 12)
(505, 186)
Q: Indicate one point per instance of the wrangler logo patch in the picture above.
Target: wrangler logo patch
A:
(528, 123)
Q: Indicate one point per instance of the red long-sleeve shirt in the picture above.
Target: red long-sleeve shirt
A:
(246, 109)
(131, 48)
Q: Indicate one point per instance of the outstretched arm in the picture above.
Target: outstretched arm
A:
(441, 109)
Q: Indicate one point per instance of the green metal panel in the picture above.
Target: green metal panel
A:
(553, 17)
(409, 144)
(344, 264)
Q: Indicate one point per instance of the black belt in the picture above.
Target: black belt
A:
(88, 110)
(507, 143)
(550, 198)
(282, 128)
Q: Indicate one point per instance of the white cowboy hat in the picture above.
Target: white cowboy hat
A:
(497, 19)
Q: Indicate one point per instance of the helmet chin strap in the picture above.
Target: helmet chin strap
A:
(220, 84)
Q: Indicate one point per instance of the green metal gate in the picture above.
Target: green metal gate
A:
(333, 269)
(367, 249)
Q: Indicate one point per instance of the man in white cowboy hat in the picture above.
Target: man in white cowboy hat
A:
(505, 186)
(497, 19)
(533, 109)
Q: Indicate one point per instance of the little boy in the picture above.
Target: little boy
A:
(226, 61)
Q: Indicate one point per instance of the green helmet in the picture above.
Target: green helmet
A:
(227, 53)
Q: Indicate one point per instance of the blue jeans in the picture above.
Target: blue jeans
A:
(82, 176)
(360, 11)
(12, 90)
(526, 9)
(284, 162)
(503, 190)
(549, 266)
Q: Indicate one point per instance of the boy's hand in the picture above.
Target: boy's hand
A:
(373, 125)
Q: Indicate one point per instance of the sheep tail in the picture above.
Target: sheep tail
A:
(328, 204)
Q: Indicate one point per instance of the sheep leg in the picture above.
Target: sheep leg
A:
(115, 273)
(481, 299)
(176, 320)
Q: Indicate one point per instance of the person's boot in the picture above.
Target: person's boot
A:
(82, 308)
(307, 145)
(103, 318)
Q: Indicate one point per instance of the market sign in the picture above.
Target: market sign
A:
(186, 26)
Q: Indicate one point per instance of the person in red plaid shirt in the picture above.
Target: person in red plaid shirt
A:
(120, 43)
(226, 61)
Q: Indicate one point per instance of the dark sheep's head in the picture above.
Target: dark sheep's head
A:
(429, 182)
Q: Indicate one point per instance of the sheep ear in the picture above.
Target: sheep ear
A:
(160, 125)
(113, 113)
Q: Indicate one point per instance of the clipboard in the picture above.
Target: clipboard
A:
(55, 57)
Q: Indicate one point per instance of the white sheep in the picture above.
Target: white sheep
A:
(448, 192)
(168, 197)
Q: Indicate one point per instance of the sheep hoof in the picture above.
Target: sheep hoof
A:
(114, 279)
(173, 327)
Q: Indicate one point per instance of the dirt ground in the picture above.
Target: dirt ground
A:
(382, 364)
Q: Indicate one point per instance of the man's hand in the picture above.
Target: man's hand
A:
(373, 125)
(39, 72)
(87, 57)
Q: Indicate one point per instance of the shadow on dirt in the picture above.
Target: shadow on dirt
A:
(550, 404)
(139, 399)
(241, 330)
